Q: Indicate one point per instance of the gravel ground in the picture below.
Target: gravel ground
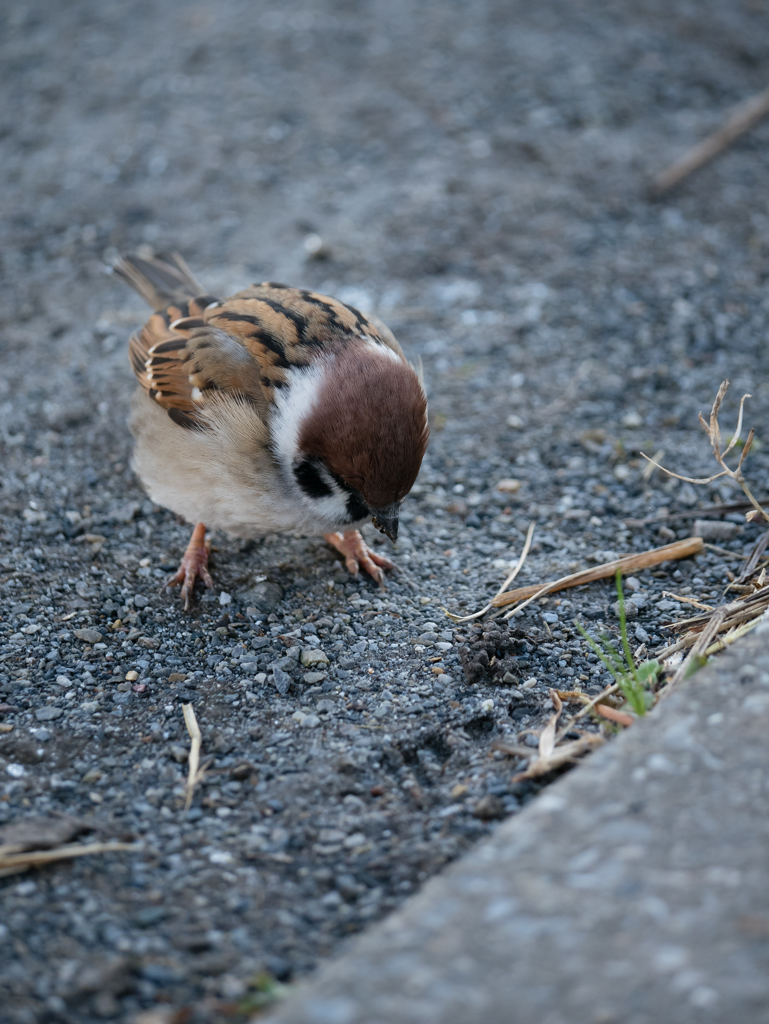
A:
(475, 174)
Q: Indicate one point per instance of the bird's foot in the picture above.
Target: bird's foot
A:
(357, 555)
(194, 564)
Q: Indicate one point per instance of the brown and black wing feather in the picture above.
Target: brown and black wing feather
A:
(296, 322)
(245, 344)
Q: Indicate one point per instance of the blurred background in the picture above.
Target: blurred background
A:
(475, 172)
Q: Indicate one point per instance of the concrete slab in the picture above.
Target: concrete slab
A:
(634, 890)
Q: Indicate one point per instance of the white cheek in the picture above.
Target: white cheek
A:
(292, 405)
(332, 508)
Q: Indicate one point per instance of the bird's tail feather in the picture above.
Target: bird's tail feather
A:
(162, 280)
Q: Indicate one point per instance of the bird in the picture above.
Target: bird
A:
(276, 410)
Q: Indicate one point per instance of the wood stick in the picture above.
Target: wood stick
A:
(14, 862)
(669, 552)
(743, 117)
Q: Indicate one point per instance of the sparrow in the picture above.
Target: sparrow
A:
(277, 410)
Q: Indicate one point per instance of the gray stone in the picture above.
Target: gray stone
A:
(331, 835)
(47, 714)
(125, 513)
(90, 636)
(313, 657)
(714, 529)
(312, 678)
(281, 681)
(264, 596)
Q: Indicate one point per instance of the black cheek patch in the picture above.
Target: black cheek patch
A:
(309, 479)
(356, 507)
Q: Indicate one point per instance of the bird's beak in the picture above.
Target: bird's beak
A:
(386, 520)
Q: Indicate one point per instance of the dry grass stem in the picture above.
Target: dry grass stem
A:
(713, 431)
(754, 557)
(687, 600)
(705, 511)
(650, 466)
(739, 631)
(701, 644)
(549, 754)
(672, 649)
(725, 553)
(195, 774)
(12, 863)
(742, 118)
(669, 552)
(505, 585)
(702, 632)
(587, 709)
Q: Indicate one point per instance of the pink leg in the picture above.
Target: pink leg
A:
(357, 555)
(194, 564)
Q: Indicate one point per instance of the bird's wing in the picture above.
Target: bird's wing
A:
(289, 326)
(181, 362)
(243, 345)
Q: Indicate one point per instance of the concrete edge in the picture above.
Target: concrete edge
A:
(616, 896)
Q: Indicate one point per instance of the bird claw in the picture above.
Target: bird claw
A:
(194, 565)
(358, 555)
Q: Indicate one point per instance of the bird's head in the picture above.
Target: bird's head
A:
(360, 435)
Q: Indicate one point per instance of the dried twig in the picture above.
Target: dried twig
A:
(743, 609)
(614, 715)
(735, 556)
(649, 468)
(714, 625)
(742, 118)
(669, 552)
(549, 755)
(13, 863)
(505, 585)
(687, 600)
(695, 513)
(706, 634)
(587, 708)
(713, 431)
(195, 774)
(735, 634)
(754, 557)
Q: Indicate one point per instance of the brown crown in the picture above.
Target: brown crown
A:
(369, 425)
